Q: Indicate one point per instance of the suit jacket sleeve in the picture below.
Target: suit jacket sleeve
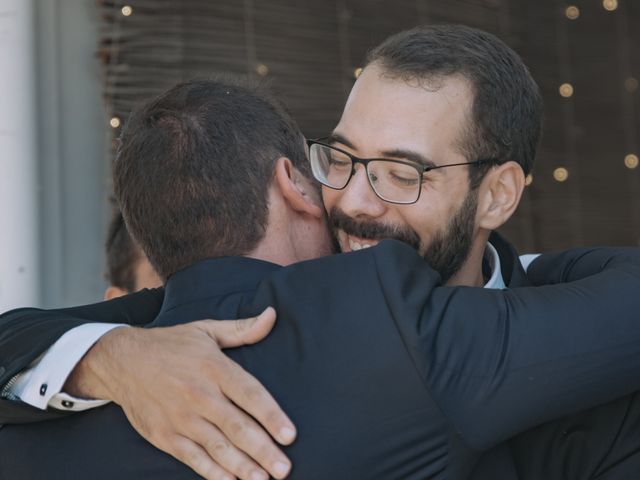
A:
(26, 333)
(500, 362)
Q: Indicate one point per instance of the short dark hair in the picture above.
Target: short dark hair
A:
(122, 254)
(506, 120)
(194, 167)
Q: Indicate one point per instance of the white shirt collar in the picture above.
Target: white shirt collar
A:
(496, 280)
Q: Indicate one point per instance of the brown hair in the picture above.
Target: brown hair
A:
(194, 167)
(506, 120)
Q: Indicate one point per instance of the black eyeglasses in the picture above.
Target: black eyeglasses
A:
(394, 181)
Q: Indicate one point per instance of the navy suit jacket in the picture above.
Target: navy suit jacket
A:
(383, 371)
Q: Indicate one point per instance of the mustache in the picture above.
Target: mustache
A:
(338, 220)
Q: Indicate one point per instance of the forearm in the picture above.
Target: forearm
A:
(95, 376)
(25, 334)
(576, 264)
(41, 385)
(182, 394)
(564, 348)
(499, 362)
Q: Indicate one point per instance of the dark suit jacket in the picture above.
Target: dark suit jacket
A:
(380, 369)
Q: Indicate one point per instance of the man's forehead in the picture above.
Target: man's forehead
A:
(384, 114)
(454, 88)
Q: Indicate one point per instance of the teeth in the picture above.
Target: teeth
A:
(353, 245)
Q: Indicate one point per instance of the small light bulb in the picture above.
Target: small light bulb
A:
(114, 122)
(262, 70)
(528, 180)
(561, 174)
(357, 72)
(566, 90)
(610, 5)
(631, 161)
(127, 10)
(572, 12)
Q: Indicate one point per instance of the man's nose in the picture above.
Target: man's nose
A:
(359, 199)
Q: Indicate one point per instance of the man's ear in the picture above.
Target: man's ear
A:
(296, 189)
(499, 196)
(114, 292)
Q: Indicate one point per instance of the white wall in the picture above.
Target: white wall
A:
(73, 168)
(54, 174)
(19, 265)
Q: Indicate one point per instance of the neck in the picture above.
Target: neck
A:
(470, 275)
(293, 240)
(275, 250)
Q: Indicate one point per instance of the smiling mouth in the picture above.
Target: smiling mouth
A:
(349, 243)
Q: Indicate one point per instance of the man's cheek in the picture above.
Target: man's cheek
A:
(328, 198)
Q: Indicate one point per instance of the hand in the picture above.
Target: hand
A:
(186, 397)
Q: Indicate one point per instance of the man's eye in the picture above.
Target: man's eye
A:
(339, 163)
(402, 180)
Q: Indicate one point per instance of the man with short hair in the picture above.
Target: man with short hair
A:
(496, 197)
(464, 115)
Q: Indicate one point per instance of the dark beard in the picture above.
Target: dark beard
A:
(448, 250)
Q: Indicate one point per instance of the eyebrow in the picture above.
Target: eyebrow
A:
(396, 153)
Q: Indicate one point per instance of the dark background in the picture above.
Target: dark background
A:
(310, 51)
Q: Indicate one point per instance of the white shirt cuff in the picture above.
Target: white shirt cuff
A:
(526, 260)
(41, 384)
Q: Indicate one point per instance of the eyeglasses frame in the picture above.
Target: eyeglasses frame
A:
(421, 169)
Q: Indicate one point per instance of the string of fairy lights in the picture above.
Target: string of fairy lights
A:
(312, 53)
(566, 89)
(630, 84)
(115, 122)
(568, 118)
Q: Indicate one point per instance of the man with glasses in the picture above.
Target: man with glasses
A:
(394, 181)
(384, 169)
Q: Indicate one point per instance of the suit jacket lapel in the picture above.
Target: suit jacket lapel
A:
(512, 271)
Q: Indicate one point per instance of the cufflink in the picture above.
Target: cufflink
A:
(43, 389)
